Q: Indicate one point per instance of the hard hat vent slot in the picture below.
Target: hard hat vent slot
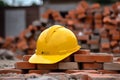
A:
(42, 52)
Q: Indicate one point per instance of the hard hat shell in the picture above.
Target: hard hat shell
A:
(54, 44)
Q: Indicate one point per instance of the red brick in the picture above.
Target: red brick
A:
(47, 66)
(26, 57)
(88, 21)
(107, 20)
(84, 4)
(98, 26)
(70, 22)
(80, 9)
(24, 65)
(108, 50)
(80, 16)
(98, 16)
(103, 34)
(113, 31)
(106, 11)
(93, 42)
(116, 49)
(30, 51)
(95, 6)
(83, 37)
(32, 44)
(114, 22)
(113, 43)
(110, 27)
(105, 45)
(87, 32)
(1, 40)
(115, 37)
(92, 66)
(98, 21)
(96, 57)
(39, 71)
(22, 45)
(19, 56)
(5, 71)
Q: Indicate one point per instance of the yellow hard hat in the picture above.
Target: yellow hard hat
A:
(54, 44)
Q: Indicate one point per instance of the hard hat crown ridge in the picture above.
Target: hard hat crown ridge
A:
(51, 31)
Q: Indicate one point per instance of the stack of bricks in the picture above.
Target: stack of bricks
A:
(98, 30)
(80, 60)
(82, 65)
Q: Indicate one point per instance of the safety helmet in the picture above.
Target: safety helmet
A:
(54, 44)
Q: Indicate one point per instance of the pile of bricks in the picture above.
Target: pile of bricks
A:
(24, 43)
(96, 26)
(82, 65)
(81, 60)
(97, 30)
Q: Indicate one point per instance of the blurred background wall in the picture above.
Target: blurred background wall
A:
(16, 18)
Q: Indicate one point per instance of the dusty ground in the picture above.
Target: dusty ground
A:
(6, 64)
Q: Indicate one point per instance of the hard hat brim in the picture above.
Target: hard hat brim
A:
(49, 59)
